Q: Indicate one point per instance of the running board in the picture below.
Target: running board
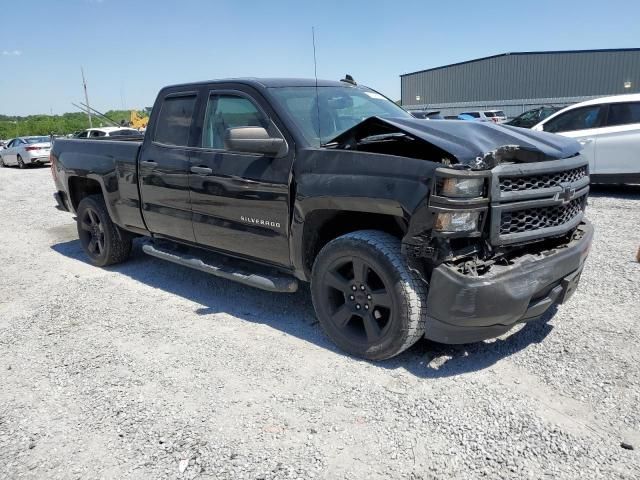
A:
(271, 281)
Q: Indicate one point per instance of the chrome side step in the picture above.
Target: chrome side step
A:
(265, 280)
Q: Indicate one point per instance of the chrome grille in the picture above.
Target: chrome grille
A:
(531, 219)
(532, 182)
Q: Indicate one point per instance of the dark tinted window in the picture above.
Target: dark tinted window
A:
(174, 121)
(577, 119)
(37, 139)
(118, 133)
(489, 114)
(97, 133)
(624, 113)
(83, 134)
(229, 111)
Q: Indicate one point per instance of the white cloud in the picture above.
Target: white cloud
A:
(11, 53)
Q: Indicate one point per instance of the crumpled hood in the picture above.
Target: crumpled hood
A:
(478, 145)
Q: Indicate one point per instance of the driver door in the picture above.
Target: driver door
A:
(240, 201)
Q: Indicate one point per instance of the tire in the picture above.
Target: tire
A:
(20, 162)
(103, 241)
(2, 165)
(366, 298)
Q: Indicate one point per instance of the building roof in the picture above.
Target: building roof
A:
(552, 52)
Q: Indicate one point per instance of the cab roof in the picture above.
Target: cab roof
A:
(269, 82)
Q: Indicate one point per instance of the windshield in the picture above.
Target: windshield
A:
(36, 139)
(335, 110)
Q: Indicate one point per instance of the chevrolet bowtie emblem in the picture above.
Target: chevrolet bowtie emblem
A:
(566, 194)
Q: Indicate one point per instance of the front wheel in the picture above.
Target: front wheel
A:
(366, 298)
(1, 163)
(102, 240)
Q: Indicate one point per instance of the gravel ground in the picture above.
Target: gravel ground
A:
(150, 370)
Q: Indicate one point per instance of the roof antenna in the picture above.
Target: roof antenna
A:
(348, 79)
(315, 74)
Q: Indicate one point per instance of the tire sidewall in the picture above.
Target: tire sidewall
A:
(395, 337)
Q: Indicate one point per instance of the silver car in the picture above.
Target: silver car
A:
(23, 151)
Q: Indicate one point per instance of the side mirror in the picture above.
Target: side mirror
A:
(252, 140)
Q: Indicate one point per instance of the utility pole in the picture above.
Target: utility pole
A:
(86, 97)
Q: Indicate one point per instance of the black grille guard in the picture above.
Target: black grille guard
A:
(535, 198)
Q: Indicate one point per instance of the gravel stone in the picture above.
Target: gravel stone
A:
(150, 370)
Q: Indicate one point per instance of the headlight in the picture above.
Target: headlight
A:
(457, 187)
(457, 221)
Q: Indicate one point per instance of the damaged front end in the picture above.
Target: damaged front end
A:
(506, 252)
(501, 237)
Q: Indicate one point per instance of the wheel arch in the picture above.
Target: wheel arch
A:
(320, 226)
(80, 187)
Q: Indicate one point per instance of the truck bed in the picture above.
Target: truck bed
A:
(112, 163)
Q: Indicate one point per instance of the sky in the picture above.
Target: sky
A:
(129, 49)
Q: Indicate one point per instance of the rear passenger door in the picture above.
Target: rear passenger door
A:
(240, 201)
(164, 167)
(618, 143)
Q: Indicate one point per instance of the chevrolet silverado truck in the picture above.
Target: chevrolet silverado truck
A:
(404, 228)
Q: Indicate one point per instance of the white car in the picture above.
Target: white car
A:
(107, 132)
(495, 116)
(23, 151)
(609, 130)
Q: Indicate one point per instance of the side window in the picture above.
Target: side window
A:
(577, 119)
(228, 111)
(174, 122)
(11, 144)
(83, 134)
(624, 113)
(97, 133)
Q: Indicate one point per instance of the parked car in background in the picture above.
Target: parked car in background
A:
(495, 116)
(532, 117)
(108, 132)
(609, 130)
(427, 114)
(23, 151)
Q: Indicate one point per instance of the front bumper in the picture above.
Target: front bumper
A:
(464, 309)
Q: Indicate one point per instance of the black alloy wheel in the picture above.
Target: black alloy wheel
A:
(91, 232)
(367, 299)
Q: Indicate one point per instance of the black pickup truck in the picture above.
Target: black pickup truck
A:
(405, 228)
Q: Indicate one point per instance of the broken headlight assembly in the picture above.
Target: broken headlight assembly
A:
(456, 187)
(459, 221)
(459, 202)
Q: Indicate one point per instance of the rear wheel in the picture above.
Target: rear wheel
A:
(1, 163)
(102, 240)
(366, 298)
(20, 162)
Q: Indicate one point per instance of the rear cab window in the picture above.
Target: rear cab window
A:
(173, 125)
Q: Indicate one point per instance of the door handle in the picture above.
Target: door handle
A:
(149, 163)
(201, 170)
(584, 141)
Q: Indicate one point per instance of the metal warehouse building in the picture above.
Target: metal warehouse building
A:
(515, 82)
